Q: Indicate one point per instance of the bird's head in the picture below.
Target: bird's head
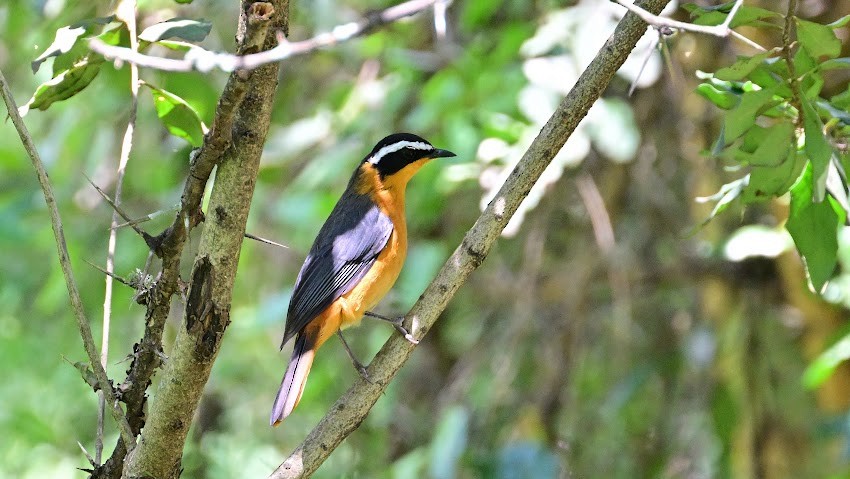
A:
(402, 154)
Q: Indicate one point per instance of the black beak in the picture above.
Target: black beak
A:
(438, 153)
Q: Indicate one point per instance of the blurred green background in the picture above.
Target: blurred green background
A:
(599, 339)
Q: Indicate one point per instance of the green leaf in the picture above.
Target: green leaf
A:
(176, 45)
(182, 28)
(840, 23)
(743, 117)
(746, 15)
(773, 147)
(814, 228)
(835, 64)
(178, 116)
(817, 148)
(824, 365)
(65, 39)
(65, 85)
(739, 70)
(722, 98)
(818, 40)
(770, 181)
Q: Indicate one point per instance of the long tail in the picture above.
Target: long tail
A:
(295, 378)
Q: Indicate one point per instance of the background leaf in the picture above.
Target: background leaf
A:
(818, 40)
(178, 116)
(182, 28)
(814, 226)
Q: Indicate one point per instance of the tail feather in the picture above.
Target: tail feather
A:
(294, 380)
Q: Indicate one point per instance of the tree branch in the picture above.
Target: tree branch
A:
(203, 60)
(255, 22)
(722, 30)
(244, 114)
(65, 262)
(350, 410)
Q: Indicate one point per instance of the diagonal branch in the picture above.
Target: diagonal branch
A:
(350, 410)
(65, 262)
(203, 60)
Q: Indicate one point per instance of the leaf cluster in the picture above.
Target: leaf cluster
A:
(779, 129)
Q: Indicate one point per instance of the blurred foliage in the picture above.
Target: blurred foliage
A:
(653, 353)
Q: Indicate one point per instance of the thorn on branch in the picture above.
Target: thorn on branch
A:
(88, 456)
(264, 240)
(148, 238)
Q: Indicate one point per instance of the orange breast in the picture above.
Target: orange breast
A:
(349, 309)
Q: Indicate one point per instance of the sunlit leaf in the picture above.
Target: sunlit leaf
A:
(722, 98)
(741, 118)
(742, 67)
(727, 194)
(65, 85)
(182, 28)
(840, 23)
(66, 37)
(746, 15)
(817, 148)
(835, 64)
(824, 365)
(770, 181)
(773, 145)
(819, 40)
(814, 228)
(178, 116)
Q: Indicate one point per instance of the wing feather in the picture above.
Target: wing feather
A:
(346, 247)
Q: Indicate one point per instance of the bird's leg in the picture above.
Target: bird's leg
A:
(398, 324)
(357, 364)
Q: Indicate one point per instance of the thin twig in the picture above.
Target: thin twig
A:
(722, 30)
(203, 60)
(110, 274)
(126, 11)
(65, 262)
(117, 210)
(88, 456)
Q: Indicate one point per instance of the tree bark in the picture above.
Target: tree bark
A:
(207, 312)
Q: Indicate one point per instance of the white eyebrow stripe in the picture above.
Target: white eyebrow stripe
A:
(416, 145)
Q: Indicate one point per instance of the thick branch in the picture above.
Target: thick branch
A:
(204, 60)
(350, 410)
(208, 304)
(147, 354)
(65, 262)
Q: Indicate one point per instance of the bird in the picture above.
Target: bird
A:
(354, 261)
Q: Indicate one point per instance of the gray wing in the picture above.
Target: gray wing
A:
(347, 245)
